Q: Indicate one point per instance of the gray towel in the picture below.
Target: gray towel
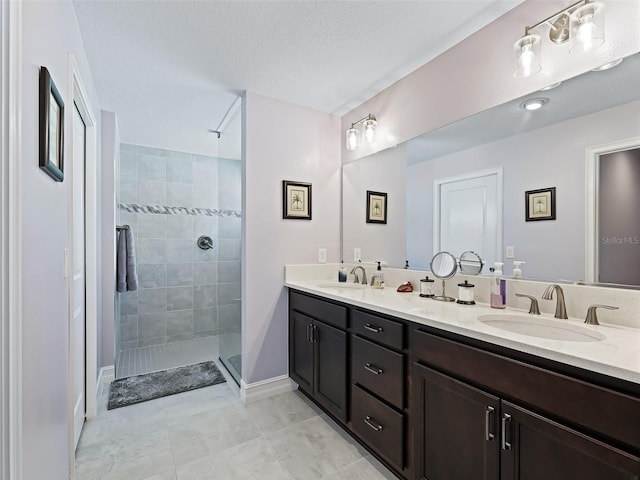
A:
(126, 274)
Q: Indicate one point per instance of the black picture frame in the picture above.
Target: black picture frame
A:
(296, 200)
(540, 204)
(376, 207)
(51, 127)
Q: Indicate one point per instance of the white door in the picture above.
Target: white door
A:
(469, 215)
(78, 286)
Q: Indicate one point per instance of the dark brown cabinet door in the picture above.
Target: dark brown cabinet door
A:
(456, 433)
(331, 369)
(535, 448)
(301, 350)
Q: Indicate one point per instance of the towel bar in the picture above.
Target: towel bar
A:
(122, 227)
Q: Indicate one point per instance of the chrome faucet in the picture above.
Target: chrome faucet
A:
(354, 270)
(561, 308)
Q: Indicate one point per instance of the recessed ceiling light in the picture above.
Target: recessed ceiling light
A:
(550, 87)
(534, 103)
(607, 66)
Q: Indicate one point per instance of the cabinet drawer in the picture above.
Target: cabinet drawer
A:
(613, 415)
(378, 329)
(328, 312)
(378, 369)
(379, 426)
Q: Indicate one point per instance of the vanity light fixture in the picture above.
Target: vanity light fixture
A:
(534, 103)
(369, 132)
(581, 22)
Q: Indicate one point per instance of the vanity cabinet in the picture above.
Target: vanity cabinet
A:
(462, 431)
(378, 385)
(433, 405)
(318, 351)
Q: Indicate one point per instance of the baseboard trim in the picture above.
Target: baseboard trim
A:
(106, 376)
(253, 392)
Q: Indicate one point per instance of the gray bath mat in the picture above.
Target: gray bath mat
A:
(140, 388)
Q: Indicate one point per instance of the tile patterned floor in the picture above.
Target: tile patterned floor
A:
(160, 357)
(208, 434)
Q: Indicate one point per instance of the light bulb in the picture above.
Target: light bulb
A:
(352, 138)
(587, 27)
(370, 130)
(526, 56)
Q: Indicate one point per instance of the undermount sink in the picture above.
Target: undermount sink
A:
(542, 328)
(340, 286)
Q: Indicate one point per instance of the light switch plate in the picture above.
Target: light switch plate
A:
(511, 252)
(322, 255)
(356, 255)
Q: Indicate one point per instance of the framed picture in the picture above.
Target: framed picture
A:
(51, 127)
(540, 204)
(376, 207)
(296, 200)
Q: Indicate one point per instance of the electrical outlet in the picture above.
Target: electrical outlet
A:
(356, 255)
(511, 252)
(322, 255)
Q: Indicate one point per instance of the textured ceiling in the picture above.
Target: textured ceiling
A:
(170, 69)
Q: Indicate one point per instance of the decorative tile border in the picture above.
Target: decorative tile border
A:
(166, 210)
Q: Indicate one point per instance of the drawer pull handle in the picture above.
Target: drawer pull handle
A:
(487, 422)
(373, 329)
(368, 421)
(505, 418)
(373, 369)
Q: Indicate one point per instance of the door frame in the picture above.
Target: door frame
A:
(437, 185)
(592, 179)
(78, 94)
(11, 240)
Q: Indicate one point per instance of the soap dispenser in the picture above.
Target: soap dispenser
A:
(342, 273)
(517, 272)
(377, 281)
(498, 288)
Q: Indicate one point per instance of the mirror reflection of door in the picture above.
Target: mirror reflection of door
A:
(619, 218)
(469, 215)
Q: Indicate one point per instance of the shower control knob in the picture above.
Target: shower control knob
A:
(205, 242)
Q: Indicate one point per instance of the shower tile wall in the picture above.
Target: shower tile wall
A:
(170, 199)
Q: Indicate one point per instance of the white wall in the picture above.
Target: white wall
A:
(553, 156)
(383, 172)
(282, 142)
(50, 33)
(477, 73)
(109, 159)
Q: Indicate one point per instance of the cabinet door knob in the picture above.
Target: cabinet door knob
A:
(369, 421)
(373, 369)
(373, 328)
(487, 423)
(505, 444)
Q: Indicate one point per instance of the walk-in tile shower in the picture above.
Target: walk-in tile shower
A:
(185, 293)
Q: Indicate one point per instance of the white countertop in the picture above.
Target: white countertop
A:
(618, 355)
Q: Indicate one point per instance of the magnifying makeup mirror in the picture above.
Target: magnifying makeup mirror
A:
(443, 266)
(470, 263)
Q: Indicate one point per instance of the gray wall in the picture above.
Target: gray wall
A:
(183, 290)
(619, 219)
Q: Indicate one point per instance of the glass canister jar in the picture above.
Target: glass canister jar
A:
(465, 293)
(426, 287)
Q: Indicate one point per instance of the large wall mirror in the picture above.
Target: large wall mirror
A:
(464, 186)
